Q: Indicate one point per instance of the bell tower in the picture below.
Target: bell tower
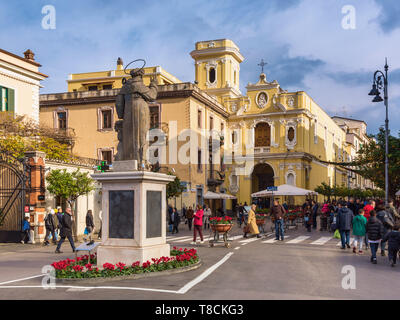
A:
(217, 66)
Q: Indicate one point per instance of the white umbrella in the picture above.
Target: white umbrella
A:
(398, 193)
(285, 190)
(214, 195)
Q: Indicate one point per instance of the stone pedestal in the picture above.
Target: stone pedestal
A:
(134, 216)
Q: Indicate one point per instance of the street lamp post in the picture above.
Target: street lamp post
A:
(376, 86)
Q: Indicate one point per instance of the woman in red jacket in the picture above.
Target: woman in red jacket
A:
(198, 224)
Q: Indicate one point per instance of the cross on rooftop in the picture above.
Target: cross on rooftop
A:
(262, 64)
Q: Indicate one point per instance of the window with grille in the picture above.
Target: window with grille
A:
(62, 120)
(106, 116)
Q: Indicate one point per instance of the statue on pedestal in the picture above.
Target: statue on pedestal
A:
(132, 107)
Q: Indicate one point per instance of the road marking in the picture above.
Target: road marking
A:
(248, 240)
(299, 239)
(236, 237)
(204, 275)
(237, 248)
(178, 238)
(321, 241)
(185, 240)
(28, 278)
(78, 289)
(273, 240)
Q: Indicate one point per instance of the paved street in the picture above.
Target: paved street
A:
(304, 266)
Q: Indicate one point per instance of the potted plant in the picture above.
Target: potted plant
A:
(221, 224)
(260, 218)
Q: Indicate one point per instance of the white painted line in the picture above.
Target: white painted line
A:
(78, 289)
(321, 241)
(236, 237)
(237, 248)
(28, 278)
(185, 240)
(299, 239)
(179, 238)
(273, 240)
(249, 240)
(204, 275)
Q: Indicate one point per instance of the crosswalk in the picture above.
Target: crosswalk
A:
(313, 240)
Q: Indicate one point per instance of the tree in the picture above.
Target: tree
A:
(371, 162)
(174, 188)
(69, 186)
(19, 134)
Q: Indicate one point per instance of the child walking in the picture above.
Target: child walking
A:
(359, 229)
(393, 238)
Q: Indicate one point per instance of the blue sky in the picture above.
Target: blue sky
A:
(302, 40)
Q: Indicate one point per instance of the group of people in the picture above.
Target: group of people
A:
(58, 224)
(372, 224)
(196, 219)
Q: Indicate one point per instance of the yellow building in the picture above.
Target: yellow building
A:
(271, 136)
(90, 115)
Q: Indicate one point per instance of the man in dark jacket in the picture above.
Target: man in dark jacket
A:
(278, 212)
(66, 230)
(387, 223)
(343, 221)
(51, 226)
(393, 238)
(175, 220)
(375, 233)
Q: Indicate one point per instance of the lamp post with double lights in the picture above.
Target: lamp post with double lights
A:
(380, 82)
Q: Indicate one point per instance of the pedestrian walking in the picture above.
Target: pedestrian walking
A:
(207, 215)
(66, 230)
(170, 223)
(50, 224)
(175, 221)
(387, 222)
(344, 220)
(375, 232)
(393, 239)
(392, 211)
(89, 226)
(198, 224)
(314, 210)
(359, 229)
(251, 226)
(189, 217)
(278, 212)
(26, 228)
(308, 217)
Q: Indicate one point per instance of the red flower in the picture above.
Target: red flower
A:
(77, 268)
(108, 266)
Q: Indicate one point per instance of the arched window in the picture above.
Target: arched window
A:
(291, 134)
(211, 75)
(262, 135)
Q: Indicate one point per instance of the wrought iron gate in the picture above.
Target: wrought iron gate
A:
(14, 186)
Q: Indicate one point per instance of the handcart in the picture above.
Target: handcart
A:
(220, 231)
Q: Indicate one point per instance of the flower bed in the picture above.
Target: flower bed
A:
(80, 268)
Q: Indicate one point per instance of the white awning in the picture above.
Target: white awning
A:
(213, 195)
(285, 190)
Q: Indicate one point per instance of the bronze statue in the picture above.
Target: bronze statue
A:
(132, 107)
